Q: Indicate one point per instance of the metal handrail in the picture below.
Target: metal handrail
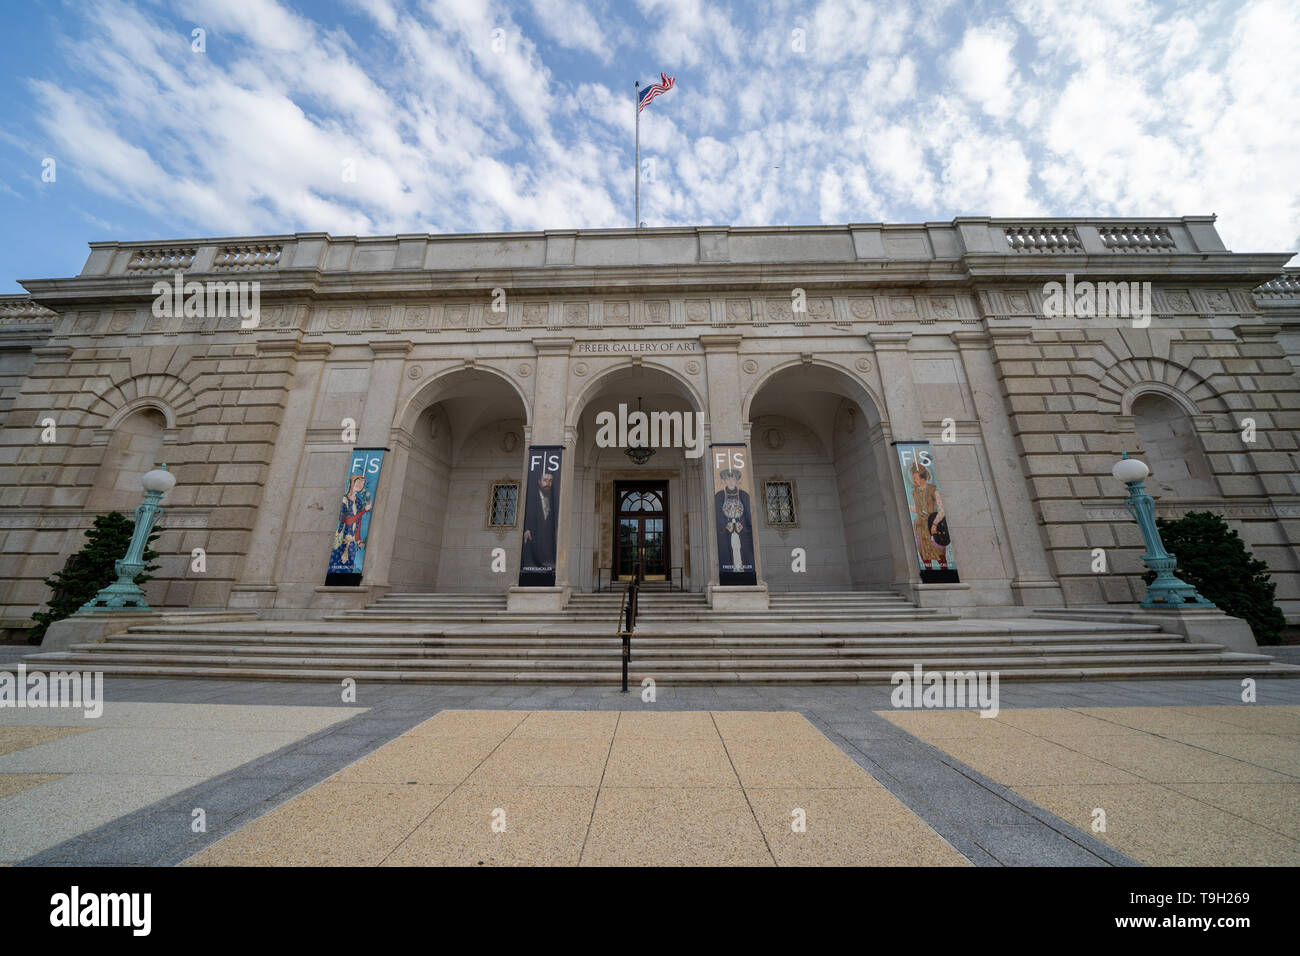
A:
(627, 624)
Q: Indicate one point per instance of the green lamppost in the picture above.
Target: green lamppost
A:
(1166, 591)
(124, 594)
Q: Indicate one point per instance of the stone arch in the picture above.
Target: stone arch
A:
(444, 385)
(452, 438)
(579, 401)
(1170, 445)
(1139, 389)
(133, 446)
(115, 401)
(837, 459)
(1124, 380)
(167, 412)
(845, 383)
(596, 471)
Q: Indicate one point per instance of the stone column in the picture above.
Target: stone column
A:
(903, 411)
(256, 587)
(726, 426)
(375, 431)
(550, 402)
(1032, 583)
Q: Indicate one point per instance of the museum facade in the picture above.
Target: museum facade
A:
(931, 409)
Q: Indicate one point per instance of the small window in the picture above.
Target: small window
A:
(780, 503)
(503, 505)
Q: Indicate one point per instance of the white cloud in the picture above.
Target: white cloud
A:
(896, 111)
(984, 69)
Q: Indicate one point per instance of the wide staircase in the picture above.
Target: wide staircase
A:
(810, 637)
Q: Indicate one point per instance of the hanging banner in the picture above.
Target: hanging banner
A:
(733, 514)
(929, 521)
(541, 517)
(348, 556)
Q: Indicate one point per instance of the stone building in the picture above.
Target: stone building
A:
(817, 349)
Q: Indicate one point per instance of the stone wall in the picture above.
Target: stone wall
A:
(1070, 392)
(220, 404)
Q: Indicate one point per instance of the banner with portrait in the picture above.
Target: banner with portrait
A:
(541, 517)
(348, 553)
(927, 517)
(733, 514)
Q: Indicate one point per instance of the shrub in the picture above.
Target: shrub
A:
(90, 569)
(1214, 560)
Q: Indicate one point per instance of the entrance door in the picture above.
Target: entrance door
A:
(641, 530)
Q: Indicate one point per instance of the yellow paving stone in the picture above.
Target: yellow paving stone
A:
(1256, 718)
(336, 823)
(544, 826)
(33, 735)
(770, 763)
(862, 827)
(1159, 826)
(421, 758)
(1275, 806)
(663, 792)
(780, 725)
(659, 762)
(544, 762)
(677, 724)
(566, 723)
(1064, 723)
(11, 783)
(1160, 760)
(1161, 720)
(471, 723)
(663, 826)
(951, 723)
(1266, 750)
(1032, 761)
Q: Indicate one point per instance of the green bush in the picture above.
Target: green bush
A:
(1215, 561)
(89, 570)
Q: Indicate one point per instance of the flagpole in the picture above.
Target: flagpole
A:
(636, 102)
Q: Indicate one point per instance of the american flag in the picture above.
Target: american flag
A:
(650, 92)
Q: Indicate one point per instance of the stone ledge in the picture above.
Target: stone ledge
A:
(1196, 625)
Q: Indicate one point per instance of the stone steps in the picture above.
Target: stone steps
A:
(669, 655)
(849, 637)
(307, 672)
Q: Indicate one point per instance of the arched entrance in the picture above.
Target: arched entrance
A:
(459, 485)
(822, 483)
(629, 509)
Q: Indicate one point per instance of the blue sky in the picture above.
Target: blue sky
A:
(468, 115)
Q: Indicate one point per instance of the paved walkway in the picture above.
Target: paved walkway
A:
(695, 788)
(1171, 786)
(936, 798)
